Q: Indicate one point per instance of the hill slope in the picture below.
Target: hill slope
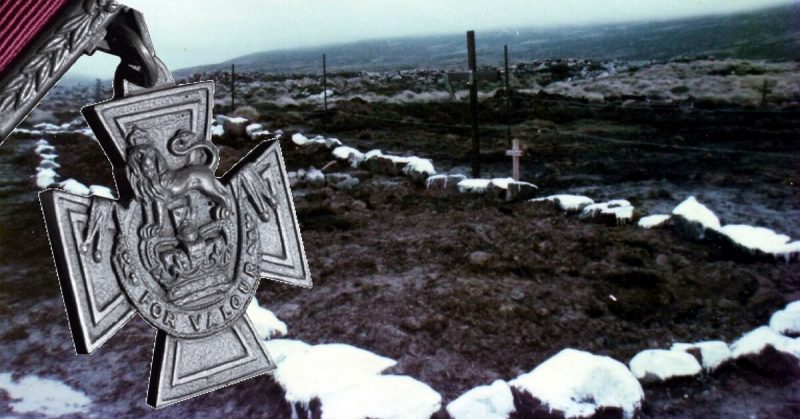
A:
(771, 34)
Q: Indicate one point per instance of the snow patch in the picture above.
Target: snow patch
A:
(579, 383)
(663, 364)
(694, 211)
(43, 396)
(713, 353)
(267, 325)
(653, 221)
(494, 401)
(567, 202)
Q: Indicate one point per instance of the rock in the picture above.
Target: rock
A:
(692, 219)
(757, 242)
(494, 401)
(577, 384)
(314, 178)
(383, 165)
(234, 127)
(752, 343)
(332, 178)
(480, 259)
(521, 191)
(252, 129)
(419, 169)
(653, 221)
(358, 205)
(267, 325)
(349, 154)
(568, 203)
(443, 181)
(786, 321)
(348, 183)
(661, 365)
(712, 353)
(614, 212)
(361, 175)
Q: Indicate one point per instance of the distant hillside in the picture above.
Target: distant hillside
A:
(770, 34)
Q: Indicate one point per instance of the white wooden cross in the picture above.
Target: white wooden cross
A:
(515, 154)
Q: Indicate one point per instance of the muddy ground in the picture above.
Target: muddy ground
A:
(396, 271)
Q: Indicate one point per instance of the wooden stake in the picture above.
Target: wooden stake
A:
(325, 91)
(473, 104)
(233, 87)
(508, 97)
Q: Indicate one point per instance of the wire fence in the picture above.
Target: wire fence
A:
(571, 133)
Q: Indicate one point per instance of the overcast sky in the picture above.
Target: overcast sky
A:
(187, 33)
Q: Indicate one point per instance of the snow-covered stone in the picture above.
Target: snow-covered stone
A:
(233, 126)
(252, 129)
(372, 154)
(45, 178)
(752, 343)
(653, 221)
(32, 395)
(579, 383)
(786, 322)
(382, 396)
(760, 239)
(44, 148)
(520, 191)
(349, 154)
(217, 130)
(692, 219)
(282, 349)
(102, 191)
(25, 131)
(567, 203)
(443, 181)
(418, 169)
(618, 210)
(75, 187)
(712, 353)
(660, 364)
(299, 139)
(324, 370)
(267, 324)
(473, 185)
(494, 401)
(314, 177)
(47, 127)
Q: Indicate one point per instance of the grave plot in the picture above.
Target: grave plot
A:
(456, 290)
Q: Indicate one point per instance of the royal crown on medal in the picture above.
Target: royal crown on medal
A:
(181, 248)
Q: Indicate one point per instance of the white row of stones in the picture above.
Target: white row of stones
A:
(47, 174)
